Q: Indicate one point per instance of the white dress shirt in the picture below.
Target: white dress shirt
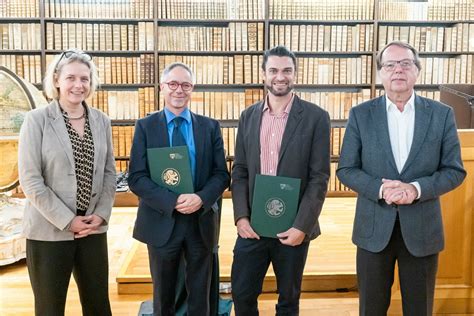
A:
(401, 126)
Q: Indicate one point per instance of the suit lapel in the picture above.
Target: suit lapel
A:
(95, 129)
(159, 128)
(254, 132)
(59, 127)
(423, 112)
(379, 117)
(294, 119)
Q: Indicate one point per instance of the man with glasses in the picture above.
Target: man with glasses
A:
(400, 153)
(174, 225)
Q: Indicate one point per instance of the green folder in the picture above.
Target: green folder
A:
(274, 205)
(170, 167)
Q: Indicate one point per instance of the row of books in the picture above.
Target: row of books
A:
(229, 135)
(237, 69)
(234, 37)
(121, 165)
(355, 70)
(131, 104)
(124, 104)
(100, 36)
(337, 136)
(457, 38)
(215, 10)
(121, 9)
(122, 137)
(126, 70)
(323, 38)
(20, 36)
(26, 66)
(442, 70)
(334, 184)
(321, 10)
(426, 10)
(337, 103)
(123, 70)
(221, 105)
(19, 8)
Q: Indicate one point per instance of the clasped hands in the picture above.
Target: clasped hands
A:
(291, 237)
(188, 203)
(397, 192)
(83, 226)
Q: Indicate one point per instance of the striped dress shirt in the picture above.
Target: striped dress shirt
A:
(271, 135)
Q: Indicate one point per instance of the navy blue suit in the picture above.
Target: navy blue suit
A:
(157, 223)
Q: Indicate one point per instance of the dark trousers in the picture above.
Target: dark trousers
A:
(50, 264)
(252, 258)
(164, 265)
(375, 273)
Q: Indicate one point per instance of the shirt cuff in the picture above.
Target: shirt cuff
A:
(418, 189)
(381, 192)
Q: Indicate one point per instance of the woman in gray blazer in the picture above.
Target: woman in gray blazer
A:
(67, 172)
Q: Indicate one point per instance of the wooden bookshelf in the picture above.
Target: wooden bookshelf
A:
(336, 42)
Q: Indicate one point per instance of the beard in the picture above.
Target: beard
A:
(279, 93)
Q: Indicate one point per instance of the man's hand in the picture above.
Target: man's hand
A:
(292, 237)
(245, 230)
(398, 192)
(188, 203)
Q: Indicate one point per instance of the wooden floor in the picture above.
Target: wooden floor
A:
(330, 264)
(16, 297)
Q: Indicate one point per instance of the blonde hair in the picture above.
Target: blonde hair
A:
(65, 58)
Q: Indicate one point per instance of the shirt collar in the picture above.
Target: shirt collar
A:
(287, 108)
(186, 114)
(409, 106)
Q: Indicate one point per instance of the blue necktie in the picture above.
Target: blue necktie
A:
(177, 137)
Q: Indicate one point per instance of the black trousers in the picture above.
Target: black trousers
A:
(252, 258)
(375, 273)
(50, 264)
(164, 266)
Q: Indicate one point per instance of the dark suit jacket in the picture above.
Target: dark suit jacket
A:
(155, 217)
(434, 161)
(304, 154)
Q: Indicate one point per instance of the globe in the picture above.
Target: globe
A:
(17, 96)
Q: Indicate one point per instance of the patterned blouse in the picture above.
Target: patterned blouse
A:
(83, 152)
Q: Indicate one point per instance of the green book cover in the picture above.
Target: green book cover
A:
(274, 205)
(170, 167)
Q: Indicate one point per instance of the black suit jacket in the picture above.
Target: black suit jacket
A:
(304, 154)
(155, 217)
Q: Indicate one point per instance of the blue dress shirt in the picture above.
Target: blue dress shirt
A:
(187, 131)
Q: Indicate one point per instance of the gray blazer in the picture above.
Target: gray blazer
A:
(434, 161)
(47, 176)
(304, 154)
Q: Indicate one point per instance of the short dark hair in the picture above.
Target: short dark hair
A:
(280, 51)
(401, 44)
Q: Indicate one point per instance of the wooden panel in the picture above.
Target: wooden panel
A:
(454, 282)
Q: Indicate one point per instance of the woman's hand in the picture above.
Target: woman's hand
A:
(83, 226)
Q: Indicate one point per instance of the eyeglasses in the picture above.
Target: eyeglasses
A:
(72, 53)
(404, 63)
(173, 85)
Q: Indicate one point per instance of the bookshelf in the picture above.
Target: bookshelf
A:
(335, 41)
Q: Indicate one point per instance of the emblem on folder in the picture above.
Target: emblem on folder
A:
(275, 207)
(171, 177)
